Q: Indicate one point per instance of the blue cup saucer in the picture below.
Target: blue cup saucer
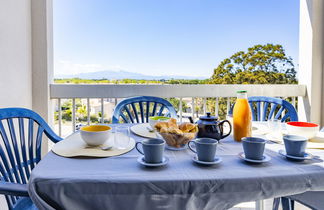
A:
(141, 160)
(265, 158)
(216, 161)
(307, 156)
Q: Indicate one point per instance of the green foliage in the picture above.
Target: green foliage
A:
(260, 64)
(176, 102)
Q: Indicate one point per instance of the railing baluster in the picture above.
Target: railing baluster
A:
(205, 105)
(228, 105)
(88, 111)
(180, 109)
(59, 117)
(284, 111)
(216, 106)
(73, 114)
(102, 110)
(294, 101)
(193, 107)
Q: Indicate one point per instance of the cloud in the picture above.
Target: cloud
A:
(64, 67)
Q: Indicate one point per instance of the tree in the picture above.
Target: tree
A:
(260, 64)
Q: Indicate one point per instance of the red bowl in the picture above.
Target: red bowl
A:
(306, 129)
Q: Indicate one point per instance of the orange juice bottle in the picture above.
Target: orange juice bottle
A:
(242, 117)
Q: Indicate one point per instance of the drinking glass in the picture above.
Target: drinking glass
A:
(274, 126)
(122, 137)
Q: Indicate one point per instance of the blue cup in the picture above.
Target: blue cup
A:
(205, 148)
(295, 145)
(152, 150)
(253, 147)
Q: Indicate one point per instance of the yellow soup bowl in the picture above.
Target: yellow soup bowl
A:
(95, 135)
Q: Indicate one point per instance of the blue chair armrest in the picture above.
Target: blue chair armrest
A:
(7, 188)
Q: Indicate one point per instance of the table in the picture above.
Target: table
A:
(121, 183)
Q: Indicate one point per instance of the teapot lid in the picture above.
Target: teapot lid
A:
(208, 117)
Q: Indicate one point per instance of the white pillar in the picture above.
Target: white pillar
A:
(311, 57)
(42, 60)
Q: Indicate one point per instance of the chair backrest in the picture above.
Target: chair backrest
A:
(273, 108)
(139, 109)
(21, 132)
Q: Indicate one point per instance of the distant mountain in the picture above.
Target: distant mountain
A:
(111, 75)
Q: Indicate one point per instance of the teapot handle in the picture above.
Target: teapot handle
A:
(221, 128)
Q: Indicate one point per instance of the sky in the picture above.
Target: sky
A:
(167, 37)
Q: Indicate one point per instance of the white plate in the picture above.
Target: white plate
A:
(141, 130)
(265, 159)
(216, 161)
(307, 156)
(141, 160)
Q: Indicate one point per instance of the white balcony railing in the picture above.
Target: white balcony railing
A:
(117, 92)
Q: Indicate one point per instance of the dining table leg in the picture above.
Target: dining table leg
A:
(259, 205)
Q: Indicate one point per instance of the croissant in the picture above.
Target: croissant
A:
(187, 127)
(175, 130)
(172, 123)
(161, 125)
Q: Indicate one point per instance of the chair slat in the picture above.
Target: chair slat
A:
(285, 117)
(39, 143)
(129, 114)
(265, 109)
(258, 111)
(161, 110)
(7, 176)
(273, 109)
(31, 143)
(147, 111)
(154, 109)
(124, 118)
(279, 112)
(142, 111)
(135, 112)
(16, 158)
(9, 152)
(23, 146)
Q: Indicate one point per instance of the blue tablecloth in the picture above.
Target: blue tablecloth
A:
(121, 183)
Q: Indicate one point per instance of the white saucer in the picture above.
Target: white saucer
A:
(265, 159)
(307, 156)
(141, 160)
(216, 161)
(175, 148)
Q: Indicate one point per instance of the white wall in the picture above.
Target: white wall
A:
(15, 54)
(311, 57)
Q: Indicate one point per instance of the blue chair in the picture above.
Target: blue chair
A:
(272, 108)
(275, 111)
(139, 109)
(18, 154)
